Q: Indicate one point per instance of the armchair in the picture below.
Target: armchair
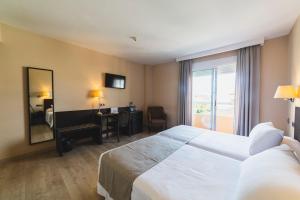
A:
(157, 118)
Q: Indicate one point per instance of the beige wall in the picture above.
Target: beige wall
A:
(148, 90)
(165, 89)
(76, 71)
(0, 33)
(294, 63)
(274, 72)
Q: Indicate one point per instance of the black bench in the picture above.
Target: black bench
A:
(73, 125)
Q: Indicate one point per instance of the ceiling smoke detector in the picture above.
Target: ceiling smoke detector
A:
(133, 38)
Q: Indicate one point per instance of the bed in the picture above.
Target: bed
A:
(233, 146)
(194, 164)
(48, 110)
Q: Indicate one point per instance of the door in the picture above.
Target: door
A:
(202, 91)
(213, 95)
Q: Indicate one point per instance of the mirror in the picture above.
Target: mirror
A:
(40, 104)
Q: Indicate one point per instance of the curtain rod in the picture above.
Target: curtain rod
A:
(227, 48)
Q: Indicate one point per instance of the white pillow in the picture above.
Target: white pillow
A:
(263, 136)
(271, 175)
(252, 132)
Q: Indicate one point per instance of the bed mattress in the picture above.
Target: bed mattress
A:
(230, 145)
(189, 173)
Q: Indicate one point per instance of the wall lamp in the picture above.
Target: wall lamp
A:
(287, 92)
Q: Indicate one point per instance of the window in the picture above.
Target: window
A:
(213, 94)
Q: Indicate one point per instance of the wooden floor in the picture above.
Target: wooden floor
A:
(41, 132)
(47, 176)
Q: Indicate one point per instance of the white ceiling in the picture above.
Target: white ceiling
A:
(165, 29)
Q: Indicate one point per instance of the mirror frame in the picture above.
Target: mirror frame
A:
(28, 103)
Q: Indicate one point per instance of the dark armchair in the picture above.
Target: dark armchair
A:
(157, 118)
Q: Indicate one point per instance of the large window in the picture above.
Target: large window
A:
(213, 94)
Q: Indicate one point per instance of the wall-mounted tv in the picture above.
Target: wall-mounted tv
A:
(115, 81)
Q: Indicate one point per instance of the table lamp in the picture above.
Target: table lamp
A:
(99, 95)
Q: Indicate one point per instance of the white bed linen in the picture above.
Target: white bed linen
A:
(210, 162)
(49, 117)
(293, 144)
(270, 175)
(190, 173)
(230, 145)
(177, 130)
(100, 189)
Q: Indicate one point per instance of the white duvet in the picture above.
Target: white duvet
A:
(49, 117)
(229, 145)
(232, 146)
(190, 173)
(207, 168)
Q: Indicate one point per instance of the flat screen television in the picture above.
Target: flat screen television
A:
(115, 81)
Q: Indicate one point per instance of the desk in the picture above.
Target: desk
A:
(77, 124)
(135, 122)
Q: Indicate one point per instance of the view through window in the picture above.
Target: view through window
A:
(213, 97)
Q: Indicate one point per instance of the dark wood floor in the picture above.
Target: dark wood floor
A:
(47, 176)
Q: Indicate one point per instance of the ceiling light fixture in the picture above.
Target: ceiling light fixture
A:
(133, 38)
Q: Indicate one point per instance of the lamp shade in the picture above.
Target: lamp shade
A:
(96, 93)
(285, 92)
(43, 94)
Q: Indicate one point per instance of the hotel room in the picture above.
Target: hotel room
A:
(150, 100)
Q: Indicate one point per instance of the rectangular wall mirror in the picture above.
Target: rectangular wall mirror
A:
(40, 104)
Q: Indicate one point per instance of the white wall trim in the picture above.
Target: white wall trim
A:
(227, 48)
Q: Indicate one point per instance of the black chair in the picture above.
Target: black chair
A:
(157, 118)
(124, 123)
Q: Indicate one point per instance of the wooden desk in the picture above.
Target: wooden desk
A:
(135, 123)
